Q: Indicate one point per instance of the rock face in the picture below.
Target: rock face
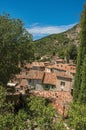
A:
(50, 44)
(73, 35)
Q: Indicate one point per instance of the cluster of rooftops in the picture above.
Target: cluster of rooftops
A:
(52, 80)
(56, 75)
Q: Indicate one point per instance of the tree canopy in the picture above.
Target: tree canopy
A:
(80, 58)
(8, 119)
(15, 46)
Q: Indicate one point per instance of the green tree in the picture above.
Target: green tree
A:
(14, 46)
(41, 113)
(8, 119)
(26, 52)
(77, 111)
(80, 57)
(82, 96)
(77, 116)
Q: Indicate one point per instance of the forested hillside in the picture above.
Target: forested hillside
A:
(57, 43)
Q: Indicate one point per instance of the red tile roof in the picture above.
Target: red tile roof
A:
(73, 71)
(64, 67)
(49, 78)
(24, 82)
(64, 75)
(35, 74)
(59, 98)
(22, 75)
(29, 66)
(38, 64)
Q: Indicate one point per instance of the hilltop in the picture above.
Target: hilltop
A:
(53, 44)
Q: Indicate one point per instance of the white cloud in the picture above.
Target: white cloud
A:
(40, 31)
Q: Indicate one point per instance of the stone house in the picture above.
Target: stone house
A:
(35, 78)
(48, 68)
(64, 82)
(38, 66)
(22, 87)
(49, 81)
(46, 76)
(40, 80)
(28, 66)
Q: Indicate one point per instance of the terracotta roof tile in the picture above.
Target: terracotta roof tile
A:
(24, 82)
(59, 98)
(21, 76)
(35, 74)
(64, 75)
(29, 66)
(38, 64)
(49, 78)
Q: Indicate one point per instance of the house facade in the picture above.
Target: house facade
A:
(46, 76)
(64, 82)
(35, 78)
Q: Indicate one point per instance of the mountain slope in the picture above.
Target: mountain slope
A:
(53, 43)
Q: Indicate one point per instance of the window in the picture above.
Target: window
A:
(37, 81)
(29, 80)
(62, 83)
(21, 87)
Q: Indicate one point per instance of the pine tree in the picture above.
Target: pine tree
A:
(80, 57)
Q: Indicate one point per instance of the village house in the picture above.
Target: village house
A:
(38, 66)
(48, 68)
(19, 83)
(35, 78)
(49, 81)
(39, 80)
(28, 66)
(46, 76)
(53, 80)
(59, 61)
(20, 76)
(22, 87)
(64, 82)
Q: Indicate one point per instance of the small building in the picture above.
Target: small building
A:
(22, 87)
(35, 78)
(64, 82)
(49, 81)
(28, 66)
(22, 75)
(38, 66)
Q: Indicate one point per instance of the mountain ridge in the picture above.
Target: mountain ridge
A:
(53, 43)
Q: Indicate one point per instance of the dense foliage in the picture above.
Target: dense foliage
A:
(8, 119)
(77, 116)
(82, 95)
(77, 111)
(15, 47)
(79, 81)
(43, 115)
(68, 52)
(37, 112)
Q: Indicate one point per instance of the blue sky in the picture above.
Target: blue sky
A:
(44, 17)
